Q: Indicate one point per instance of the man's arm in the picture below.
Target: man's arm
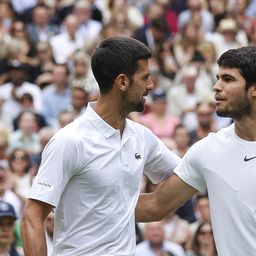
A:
(170, 195)
(32, 227)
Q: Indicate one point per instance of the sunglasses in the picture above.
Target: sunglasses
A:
(23, 158)
(203, 233)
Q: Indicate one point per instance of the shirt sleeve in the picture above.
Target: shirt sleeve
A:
(160, 161)
(190, 169)
(59, 161)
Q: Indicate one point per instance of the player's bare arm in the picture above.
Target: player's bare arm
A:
(32, 227)
(171, 194)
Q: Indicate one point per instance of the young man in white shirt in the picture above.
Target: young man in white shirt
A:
(223, 162)
(91, 170)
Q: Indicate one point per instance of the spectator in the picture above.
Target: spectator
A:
(45, 135)
(79, 100)
(6, 193)
(58, 91)
(70, 39)
(155, 242)
(26, 136)
(158, 120)
(206, 123)
(228, 36)
(183, 97)
(40, 28)
(185, 43)
(177, 229)
(21, 172)
(65, 117)
(195, 7)
(27, 103)
(89, 29)
(202, 211)
(7, 228)
(134, 15)
(203, 241)
(26, 54)
(181, 140)
(244, 22)
(154, 34)
(16, 87)
(81, 73)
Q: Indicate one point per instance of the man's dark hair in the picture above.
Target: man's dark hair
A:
(114, 56)
(244, 59)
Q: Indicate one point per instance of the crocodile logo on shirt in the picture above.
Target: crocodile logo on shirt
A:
(137, 156)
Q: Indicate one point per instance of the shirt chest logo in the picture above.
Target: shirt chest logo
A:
(246, 159)
(137, 156)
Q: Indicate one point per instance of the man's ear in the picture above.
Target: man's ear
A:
(122, 81)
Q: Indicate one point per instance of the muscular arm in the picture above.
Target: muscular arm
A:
(32, 227)
(170, 195)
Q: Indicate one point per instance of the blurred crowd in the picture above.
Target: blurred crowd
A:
(46, 82)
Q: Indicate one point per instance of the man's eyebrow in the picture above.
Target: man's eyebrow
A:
(226, 76)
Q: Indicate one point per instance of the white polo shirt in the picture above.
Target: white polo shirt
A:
(226, 165)
(93, 176)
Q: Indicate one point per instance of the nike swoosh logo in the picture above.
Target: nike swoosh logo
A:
(249, 159)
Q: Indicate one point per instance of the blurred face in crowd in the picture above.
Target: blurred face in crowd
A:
(6, 230)
(154, 233)
(27, 123)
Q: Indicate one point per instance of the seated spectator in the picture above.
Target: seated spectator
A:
(155, 243)
(196, 7)
(177, 229)
(153, 34)
(26, 136)
(7, 228)
(58, 91)
(81, 73)
(40, 28)
(206, 122)
(202, 211)
(227, 36)
(65, 117)
(12, 91)
(21, 172)
(45, 134)
(203, 241)
(89, 29)
(158, 120)
(185, 43)
(70, 39)
(183, 97)
(181, 140)
(6, 193)
(79, 100)
(27, 103)
(134, 15)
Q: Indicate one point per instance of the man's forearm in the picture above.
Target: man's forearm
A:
(33, 237)
(146, 210)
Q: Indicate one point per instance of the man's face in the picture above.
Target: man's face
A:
(6, 230)
(231, 96)
(139, 86)
(155, 234)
